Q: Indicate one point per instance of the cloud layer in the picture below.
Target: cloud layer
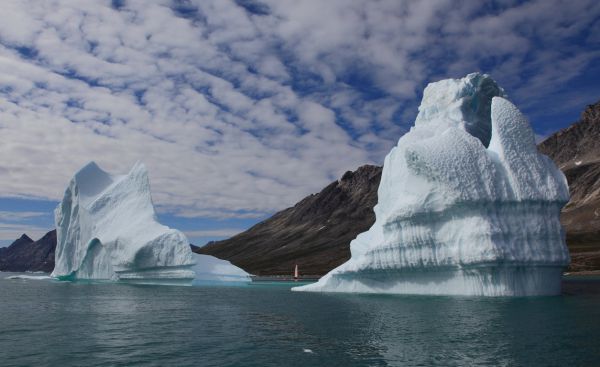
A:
(240, 108)
(13, 224)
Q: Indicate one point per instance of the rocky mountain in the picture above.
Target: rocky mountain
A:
(26, 254)
(576, 150)
(315, 233)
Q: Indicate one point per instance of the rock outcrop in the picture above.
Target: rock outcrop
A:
(26, 254)
(576, 150)
(314, 233)
(293, 236)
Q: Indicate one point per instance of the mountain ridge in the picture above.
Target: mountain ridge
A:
(316, 232)
(574, 150)
(26, 254)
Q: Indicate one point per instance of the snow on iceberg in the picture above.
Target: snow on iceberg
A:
(211, 269)
(467, 206)
(107, 230)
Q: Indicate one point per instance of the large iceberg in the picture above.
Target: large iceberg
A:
(467, 206)
(107, 230)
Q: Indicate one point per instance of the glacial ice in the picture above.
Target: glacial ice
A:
(107, 230)
(211, 269)
(467, 206)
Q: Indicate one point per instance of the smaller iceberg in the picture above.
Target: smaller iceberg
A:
(107, 230)
(210, 269)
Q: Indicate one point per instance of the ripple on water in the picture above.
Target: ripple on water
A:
(67, 324)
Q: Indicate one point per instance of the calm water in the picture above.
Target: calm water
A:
(45, 323)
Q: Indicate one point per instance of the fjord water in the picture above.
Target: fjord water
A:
(49, 323)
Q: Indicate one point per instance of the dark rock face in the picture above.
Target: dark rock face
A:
(576, 150)
(576, 143)
(27, 255)
(315, 233)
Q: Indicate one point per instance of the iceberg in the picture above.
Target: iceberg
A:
(466, 205)
(107, 230)
(211, 269)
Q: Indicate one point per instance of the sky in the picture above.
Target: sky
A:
(241, 108)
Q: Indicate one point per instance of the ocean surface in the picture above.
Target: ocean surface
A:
(49, 323)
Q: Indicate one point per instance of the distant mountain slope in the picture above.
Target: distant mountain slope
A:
(19, 243)
(317, 231)
(27, 255)
(295, 235)
(576, 150)
(576, 143)
(314, 234)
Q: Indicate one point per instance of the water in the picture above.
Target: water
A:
(47, 323)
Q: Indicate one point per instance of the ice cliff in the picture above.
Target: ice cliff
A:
(467, 206)
(107, 230)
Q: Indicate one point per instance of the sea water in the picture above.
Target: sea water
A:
(50, 323)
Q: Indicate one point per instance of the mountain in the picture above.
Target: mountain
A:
(26, 254)
(576, 150)
(315, 233)
(20, 243)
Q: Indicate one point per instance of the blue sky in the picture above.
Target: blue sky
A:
(241, 108)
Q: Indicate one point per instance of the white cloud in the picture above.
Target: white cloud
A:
(10, 231)
(19, 216)
(235, 112)
(14, 224)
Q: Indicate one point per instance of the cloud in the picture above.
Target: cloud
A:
(242, 108)
(14, 223)
(11, 231)
(19, 216)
